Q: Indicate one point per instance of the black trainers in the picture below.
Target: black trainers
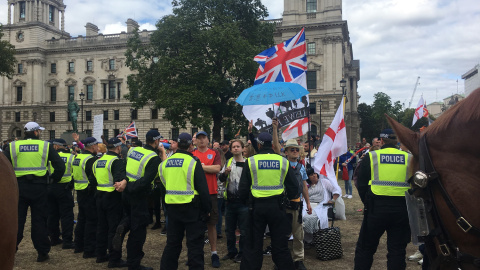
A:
(156, 226)
(68, 245)
(229, 256)
(164, 231)
(117, 264)
(87, 255)
(42, 257)
(238, 258)
(215, 261)
(117, 238)
(55, 241)
(102, 259)
(78, 250)
(267, 251)
(299, 265)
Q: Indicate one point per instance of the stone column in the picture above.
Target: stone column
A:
(63, 20)
(9, 13)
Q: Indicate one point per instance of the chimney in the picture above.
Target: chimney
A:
(131, 25)
(92, 29)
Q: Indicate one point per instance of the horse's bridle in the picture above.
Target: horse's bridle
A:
(426, 179)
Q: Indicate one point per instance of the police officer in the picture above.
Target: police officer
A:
(188, 203)
(109, 169)
(60, 200)
(30, 159)
(265, 178)
(382, 182)
(85, 182)
(142, 168)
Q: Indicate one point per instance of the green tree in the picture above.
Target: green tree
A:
(199, 60)
(7, 57)
(367, 124)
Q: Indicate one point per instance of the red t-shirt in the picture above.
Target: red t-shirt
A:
(209, 157)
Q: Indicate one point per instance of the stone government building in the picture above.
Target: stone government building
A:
(52, 65)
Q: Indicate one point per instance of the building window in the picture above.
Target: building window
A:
(71, 91)
(154, 113)
(89, 66)
(313, 130)
(111, 89)
(134, 114)
(194, 130)
(313, 108)
(104, 91)
(105, 134)
(116, 115)
(175, 134)
(118, 91)
(52, 134)
(311, 6)
(53, 68)
(17, 116)
(111, 64)
(52, 116)
(311, 48)
(116, 132)
(51, 12)
(19, 93)
(22, 10)
(53, 93)
(71, 66)
(88, 115)
(312, 79)
(18, 133)
(89, 92)
(105, 115)
(89, 132)
(20, 68)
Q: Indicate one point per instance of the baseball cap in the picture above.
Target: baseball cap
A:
(60, 142)
(32, 126)
(202, 133)
(264, 137)
(185, 137)
(388, 134)
(154, 134)
(89, 141)
(137, 143)
(114, 141)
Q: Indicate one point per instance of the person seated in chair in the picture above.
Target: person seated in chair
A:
(320, 191)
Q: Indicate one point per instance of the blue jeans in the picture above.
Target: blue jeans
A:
(220, 202)
(348, 184)
(236, 214)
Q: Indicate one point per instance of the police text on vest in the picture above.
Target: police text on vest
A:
(268, 164)
(28, 148)
(392, 159)
(175, 162)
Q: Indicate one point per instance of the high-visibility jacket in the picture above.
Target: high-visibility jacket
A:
(389, 172)
(68, 160)
(102, 169)
(268, 172)
(79, 175)
(137, 159)
(29, 157)
(177, 174)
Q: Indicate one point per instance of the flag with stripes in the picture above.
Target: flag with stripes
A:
(130, 131)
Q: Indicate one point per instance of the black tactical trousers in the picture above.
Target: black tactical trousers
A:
(34, 196)
(110, 213)
(60, 208)
(85, 230)
(267, 212)
(139, 219)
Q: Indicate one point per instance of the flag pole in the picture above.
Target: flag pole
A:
(338, 158)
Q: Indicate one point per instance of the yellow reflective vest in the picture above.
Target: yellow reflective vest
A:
(389, 172)
(268, 172)
(79, 175)
(102, 169)
(177, 174)
(29, 157)
(68, 160)
(137, 159)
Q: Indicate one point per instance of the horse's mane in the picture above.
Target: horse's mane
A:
(465, 110)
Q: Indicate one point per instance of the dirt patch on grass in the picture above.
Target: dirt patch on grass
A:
(155, 243)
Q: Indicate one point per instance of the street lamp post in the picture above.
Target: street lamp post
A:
(82, 96)
(320, 131)
(343, 83)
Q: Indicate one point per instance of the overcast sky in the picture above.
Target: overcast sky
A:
(395, 40)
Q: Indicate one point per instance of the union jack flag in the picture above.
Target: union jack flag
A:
(284, 62)
(130, 131)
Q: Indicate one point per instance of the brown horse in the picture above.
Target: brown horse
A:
(8, 213)
(454, 149)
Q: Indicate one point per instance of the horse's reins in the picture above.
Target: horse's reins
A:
(422, 179)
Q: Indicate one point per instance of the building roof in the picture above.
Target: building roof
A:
(471, 72)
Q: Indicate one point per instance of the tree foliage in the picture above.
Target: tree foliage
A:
(199, 60)
(7, 57)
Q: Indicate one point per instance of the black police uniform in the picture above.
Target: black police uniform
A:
(382, 213)
(110, 213)
(137, 215)
(33, 193)
(190, 219)
(86, 227)
(267, 211)
(60, 206)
